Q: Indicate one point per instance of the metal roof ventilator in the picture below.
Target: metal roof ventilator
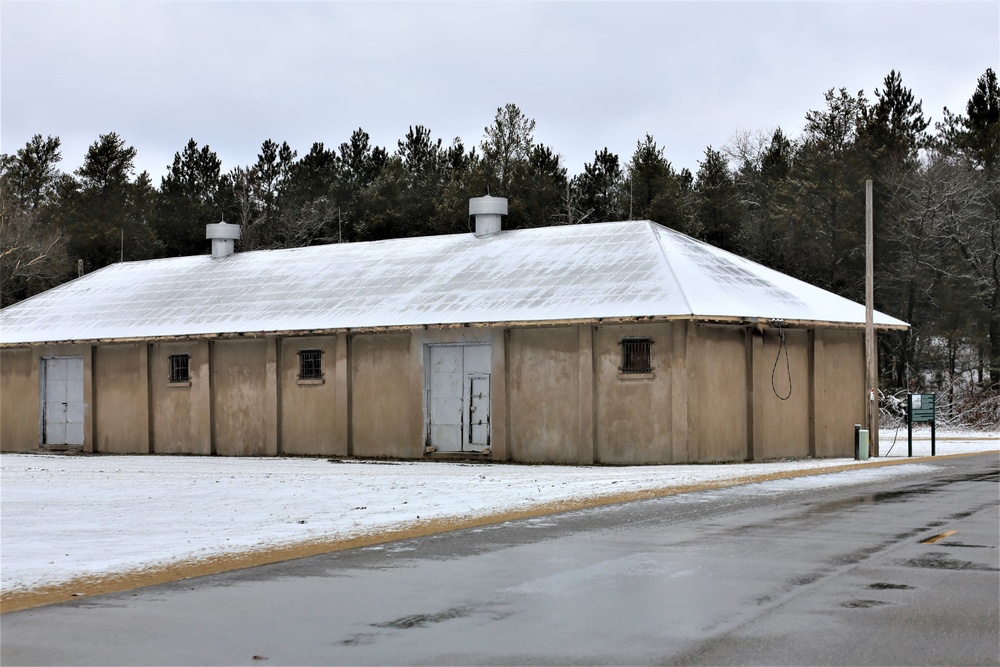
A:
(487, 211)
(223, 237)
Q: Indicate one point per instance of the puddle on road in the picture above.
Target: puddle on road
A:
(905, 494)
(883, 586)
(419, 621)
(937, 560)
(886, 497)
(863, 604)
(422, 620)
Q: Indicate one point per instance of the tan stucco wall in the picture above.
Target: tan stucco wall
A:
(840, 391)
(717, 402)
(19, 399)
(498, 380)
(543, 381)
(240, 407)
(781, 428)
(121, 402)
(312, 422)
(556, 395)
(20, 394)
(385, 410)
(633, 414)
(181, 416)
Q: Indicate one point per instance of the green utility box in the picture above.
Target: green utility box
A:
(920, 410)
(863, 445)
(860, 443)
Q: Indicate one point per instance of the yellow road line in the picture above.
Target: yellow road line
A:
(932, 540)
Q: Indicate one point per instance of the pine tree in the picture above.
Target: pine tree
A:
(601, 188)
(717, 203)
(974, 229)
(30, 175)
(537, 190)
(892, 129)
(190, 198)
(891, 133)
(651, 183)
(764, 163)
(107, 211)
(976, 136)
(507, 147)
(825, 221)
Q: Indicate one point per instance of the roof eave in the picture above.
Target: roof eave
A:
(520, 324)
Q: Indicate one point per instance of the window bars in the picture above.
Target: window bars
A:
(310, 364)
(179, 367)
(637, 355)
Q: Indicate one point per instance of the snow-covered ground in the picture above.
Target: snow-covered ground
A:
(67, 518)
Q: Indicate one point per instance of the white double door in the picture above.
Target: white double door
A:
(458, 397)
(62, 417)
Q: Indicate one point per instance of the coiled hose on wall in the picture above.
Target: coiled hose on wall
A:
(782, 346)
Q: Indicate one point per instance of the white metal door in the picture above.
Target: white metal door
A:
(446, 406)
(458, 397)
(63, 401)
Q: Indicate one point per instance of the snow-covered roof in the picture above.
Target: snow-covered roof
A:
(625, 270)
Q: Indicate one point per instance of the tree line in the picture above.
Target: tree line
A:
(793, 203)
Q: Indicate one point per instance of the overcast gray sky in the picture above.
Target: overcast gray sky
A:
(591, 74)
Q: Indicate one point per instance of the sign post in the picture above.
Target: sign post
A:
(920, 410)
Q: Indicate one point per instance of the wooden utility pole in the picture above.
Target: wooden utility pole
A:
(871, 350)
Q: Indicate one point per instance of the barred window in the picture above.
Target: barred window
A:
(310, 364)
(637, 355)
(179, 367)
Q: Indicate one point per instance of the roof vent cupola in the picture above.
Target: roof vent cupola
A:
(487, 211)
(223, 237)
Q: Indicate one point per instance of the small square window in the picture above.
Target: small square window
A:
(310, 364)
(637, 355)
(180, 367)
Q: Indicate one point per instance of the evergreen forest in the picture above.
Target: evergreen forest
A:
(793, 203)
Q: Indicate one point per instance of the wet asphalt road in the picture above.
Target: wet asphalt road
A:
(770, 573)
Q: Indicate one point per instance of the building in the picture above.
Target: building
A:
(618, 343)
